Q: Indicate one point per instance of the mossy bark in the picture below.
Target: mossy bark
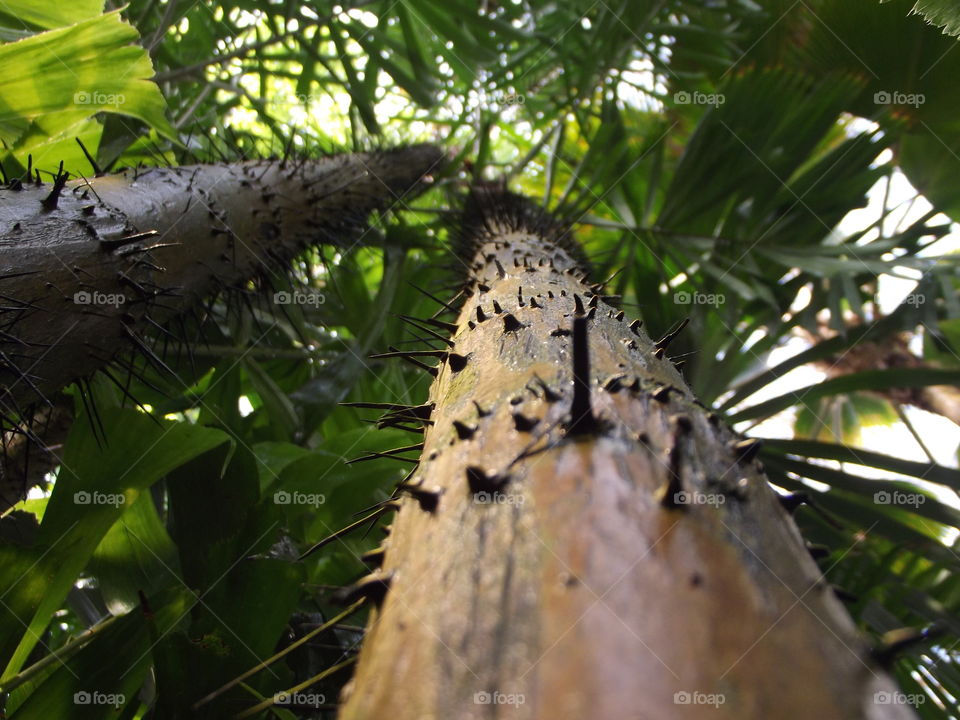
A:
(626, 560)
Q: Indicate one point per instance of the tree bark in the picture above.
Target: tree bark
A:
(582, 538)
(85, 265)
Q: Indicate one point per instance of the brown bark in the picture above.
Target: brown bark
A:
(590, 588)
(155, 241)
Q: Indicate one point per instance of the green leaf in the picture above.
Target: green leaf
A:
(942, 13)
(92, 489)
(867, 380)
(72, 73)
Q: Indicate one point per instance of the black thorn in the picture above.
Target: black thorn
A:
(510, 323)
(746, 450)
(464, 431)
(578, 305)
(49, 203)
(895, 642)
(93, 163)
(560, 332)
(593, 301)
(522, 423)
(635, 327)
(501, 273)
(496, 307)
(374, 557)
(792, 501)
(670, 336)
(614, 384)
(373, 587)
(480, 411)
(534, 303)
(428, 499)
(480, 482)
(456, 362)
(582, 420)
(620, 316)
(480, 314)
(662, 393)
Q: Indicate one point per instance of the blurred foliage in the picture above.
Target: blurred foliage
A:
(708, 154)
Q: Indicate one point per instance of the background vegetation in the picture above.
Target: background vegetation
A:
(717, 159)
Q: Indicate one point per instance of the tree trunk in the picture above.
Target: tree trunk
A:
(85, 265)
(582, 538)
(87, 268)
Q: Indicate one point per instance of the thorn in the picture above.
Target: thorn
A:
(592, 314)
(456, 362)
(480, 482)
(93, 163)
(501, 273)
(614, 384)
(524, 424)
(620, 316)
(496, 307)
(746, 450)
(635, 327)
(464, 431)
(663, 342)
(549, 395)
(582, 420)
(683, 422)
(895, 642)
(578, 305)
(520, 296)
(792, 501)
(480, 411)
(658, 353)
(511, 324)
(534, 303)
(818, 552)
(428, 499)
(560, 332)
(480, 316)
(449, 327)
(372, 587)
(662, 393)
(594, 301)
(49, 203)
(374, 557)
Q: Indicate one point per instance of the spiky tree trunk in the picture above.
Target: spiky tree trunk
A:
(87, 267)
(582, 538)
